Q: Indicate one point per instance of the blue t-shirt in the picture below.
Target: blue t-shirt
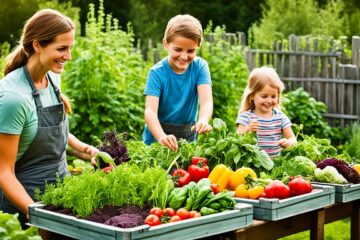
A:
(177, 93)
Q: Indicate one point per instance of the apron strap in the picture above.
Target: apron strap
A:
(56, 89)
(35, 92)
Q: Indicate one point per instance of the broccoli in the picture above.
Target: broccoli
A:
(329, 175)
(348, 172)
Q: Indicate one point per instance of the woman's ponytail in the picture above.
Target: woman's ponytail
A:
(17, 58)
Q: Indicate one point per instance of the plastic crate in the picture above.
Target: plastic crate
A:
(272, 209)
(241, 216)
(344, 192)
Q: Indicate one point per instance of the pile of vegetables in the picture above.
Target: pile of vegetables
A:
(334, 170)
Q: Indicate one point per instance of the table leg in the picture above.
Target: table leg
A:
(317, 225)
(355, 221)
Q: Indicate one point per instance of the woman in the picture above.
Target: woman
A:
(33, 122)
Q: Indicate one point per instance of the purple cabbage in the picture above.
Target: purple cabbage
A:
(115, 147)
(348, 172)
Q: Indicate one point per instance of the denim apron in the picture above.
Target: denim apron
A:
(180, 130)
(45, 158)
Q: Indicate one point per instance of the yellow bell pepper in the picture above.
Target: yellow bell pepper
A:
(220, 175)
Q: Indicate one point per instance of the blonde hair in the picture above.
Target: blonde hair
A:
(184, 25)
(258, 79)
(43, 26)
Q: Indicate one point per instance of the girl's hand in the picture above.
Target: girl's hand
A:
(169, 141)
(253, 126)
(201, 127)
(284, 143)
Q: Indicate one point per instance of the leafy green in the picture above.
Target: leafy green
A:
(329, 175)
(10, 229)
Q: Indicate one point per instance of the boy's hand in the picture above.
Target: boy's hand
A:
(169, 141)
(201, 127)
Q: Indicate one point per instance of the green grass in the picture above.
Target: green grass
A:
(339, 230)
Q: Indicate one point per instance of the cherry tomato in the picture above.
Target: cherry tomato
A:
(299, 186)
(152, 220)
(194, 214)
(196, 160)
(175, 218)
(181, 177)
(170, 212)
(157, 211)
(214, 188)
(182, 213)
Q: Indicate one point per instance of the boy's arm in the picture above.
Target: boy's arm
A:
(206, 108)
(153, 123)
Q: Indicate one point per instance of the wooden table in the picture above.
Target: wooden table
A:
(313, 221)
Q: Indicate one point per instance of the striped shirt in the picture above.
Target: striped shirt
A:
(270, 130)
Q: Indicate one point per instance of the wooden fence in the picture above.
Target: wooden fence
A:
(320, 73)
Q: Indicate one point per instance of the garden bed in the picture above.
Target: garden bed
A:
(193, 228)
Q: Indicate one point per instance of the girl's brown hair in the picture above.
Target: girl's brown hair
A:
(43, 26)
(258, 79)
(184, 25)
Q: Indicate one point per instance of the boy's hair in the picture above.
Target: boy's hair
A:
(184, 25)
(258, 79)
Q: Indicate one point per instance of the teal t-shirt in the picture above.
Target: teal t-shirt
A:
(177, 93)
(17, 106)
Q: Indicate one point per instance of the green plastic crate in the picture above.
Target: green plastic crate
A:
(272, 209)
(241, 216)
(344, 192)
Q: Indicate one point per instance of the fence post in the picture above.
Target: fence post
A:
(241, 38)
(356, 51)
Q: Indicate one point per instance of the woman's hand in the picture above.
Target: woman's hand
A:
(169, 141)
(201, 127)
(92, 151)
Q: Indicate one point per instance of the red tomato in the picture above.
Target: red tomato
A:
(196, 160)
(107, 169)
(182, 213)
(157, 211)
(277, 189)
(181, 177)
(299, 186)
(152, 220)
(198, 171)
(170, 212)
(214, 188)
(194, 214)
(175, 218)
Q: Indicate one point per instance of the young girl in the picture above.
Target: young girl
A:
(176, 84)
(259, 112)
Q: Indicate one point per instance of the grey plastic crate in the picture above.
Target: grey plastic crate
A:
(344, 192)
(273, 209)
(241, 216)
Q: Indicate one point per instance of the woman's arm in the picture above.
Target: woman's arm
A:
(206, 108)
(10, 185)
(153, 123)
(81, 149)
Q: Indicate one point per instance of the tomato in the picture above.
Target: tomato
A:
(182, 213)
(194, 214)
(157, 211)
(152, 220)
(170, 212)
(198, 171)
(196, 160)
(107, 169)
(277, 189)
(214, 188)
(181, 177)
(175, 218)
(299, 186)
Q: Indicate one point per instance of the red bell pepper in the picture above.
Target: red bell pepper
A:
(198, 171)
(196, 160)
(181, 177)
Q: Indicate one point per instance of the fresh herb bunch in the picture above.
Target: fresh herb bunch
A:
(114, 145)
